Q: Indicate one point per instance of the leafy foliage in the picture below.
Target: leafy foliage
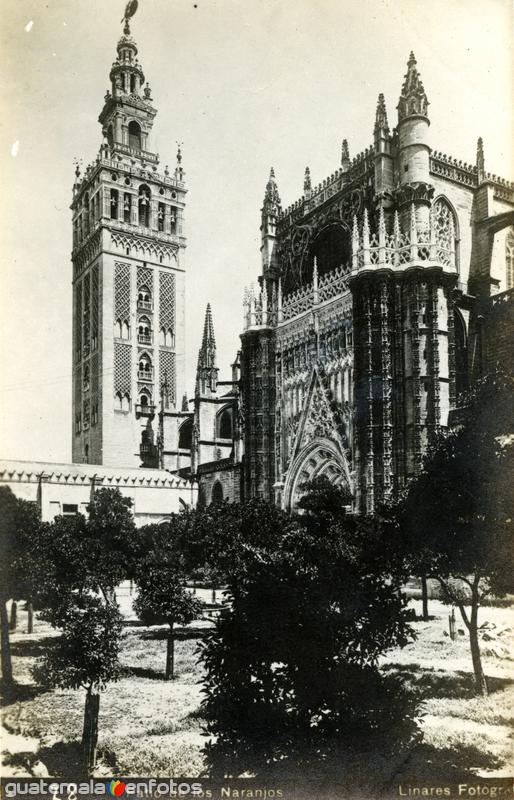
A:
(456, 520)
(19, 526)
(80, 562)
(163, 597)
(292, 673)
(86, 654)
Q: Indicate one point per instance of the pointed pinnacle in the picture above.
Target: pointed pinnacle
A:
(307, 180)
(208, 329)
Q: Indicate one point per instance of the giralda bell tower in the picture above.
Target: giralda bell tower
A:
(128, 280)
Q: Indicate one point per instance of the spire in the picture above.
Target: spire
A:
(381, 124)
(480, 160)
(413, 100)
(307, 186)
(272, 201)
(208, 339)
(206, 371)
(345, 156)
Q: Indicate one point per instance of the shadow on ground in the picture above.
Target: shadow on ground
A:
(32, 648)
(438, 684)
(19, 693)
(434, 766)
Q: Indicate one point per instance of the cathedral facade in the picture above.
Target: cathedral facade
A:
(384, 291)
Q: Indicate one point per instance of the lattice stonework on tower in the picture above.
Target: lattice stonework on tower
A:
(94, 374)
(144, 278)
(122, 292)
(86, 321)
(94, 307)
(168, 377)
(122, 368)
(78, 323)
(166, 301)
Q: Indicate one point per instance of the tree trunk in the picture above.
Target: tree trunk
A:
(170, 655)
(6, 645)
(30, 617)
(213, 595)
(480, 682)
(424, 598)
(14, 616)
(90, 733)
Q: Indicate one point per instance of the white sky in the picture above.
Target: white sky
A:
(244, 85)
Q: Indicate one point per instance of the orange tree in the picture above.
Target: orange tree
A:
(163, 597)
(19, 528)
(292, 679)
(81, 561)
(456, 520)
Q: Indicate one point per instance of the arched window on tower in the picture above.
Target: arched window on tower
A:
(160, 217)
(134, 133)
(446, 229)
(145, 402)
(110, 136)
(127, 206)
(145, 371)
(144, 206)
(132, 84)
(144, 298)
(225, 424)
(144, 331)
(118, 401)
(114, 204)
(509, 259)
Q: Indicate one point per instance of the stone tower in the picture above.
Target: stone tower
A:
(128, 280)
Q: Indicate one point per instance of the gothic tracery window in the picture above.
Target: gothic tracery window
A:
(445, 226)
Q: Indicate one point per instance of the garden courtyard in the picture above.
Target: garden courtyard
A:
(149, 726)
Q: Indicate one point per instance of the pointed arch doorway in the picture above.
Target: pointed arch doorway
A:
(320, 457)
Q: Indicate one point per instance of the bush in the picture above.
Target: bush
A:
(292, 665)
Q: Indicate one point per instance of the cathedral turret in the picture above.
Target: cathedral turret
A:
(270, 211)
(382, 140)
(480, 161)
(307, 185)
(345, 156)
(413, 126)
(413, 148)
(207, 371)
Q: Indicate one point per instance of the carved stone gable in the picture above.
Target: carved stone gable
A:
(317, 420)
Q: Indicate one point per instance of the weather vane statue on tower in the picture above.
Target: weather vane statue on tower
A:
(130, 10)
